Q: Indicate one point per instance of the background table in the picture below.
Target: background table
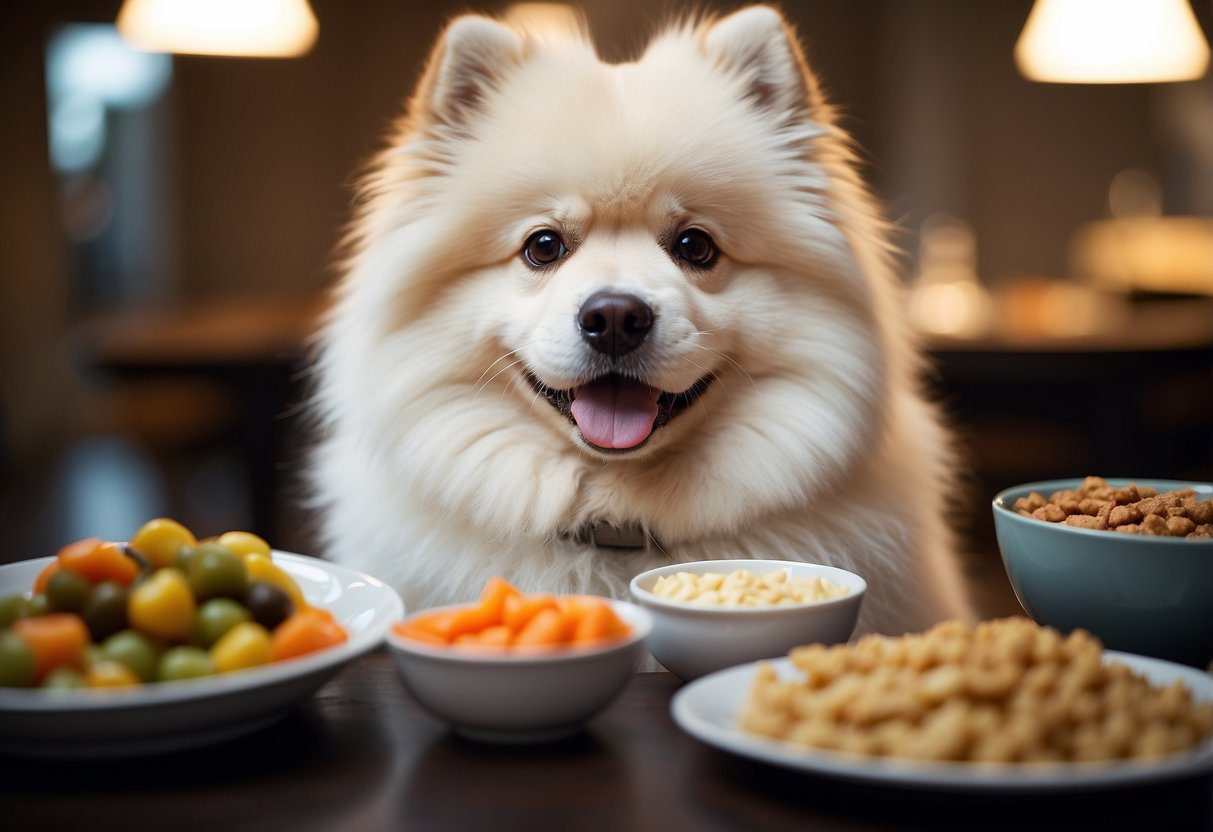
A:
(360, 755)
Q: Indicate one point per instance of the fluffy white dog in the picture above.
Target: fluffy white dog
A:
(647, 304)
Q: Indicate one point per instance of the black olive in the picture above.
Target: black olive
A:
(269, 605)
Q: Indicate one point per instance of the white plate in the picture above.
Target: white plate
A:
(174, 715)
(707, 709)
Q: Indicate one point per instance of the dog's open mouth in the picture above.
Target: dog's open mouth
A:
(617, 413)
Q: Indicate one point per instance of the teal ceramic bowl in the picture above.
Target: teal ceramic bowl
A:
(1149, 595)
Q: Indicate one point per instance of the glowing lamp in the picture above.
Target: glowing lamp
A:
(1111, 42)
(239, 28)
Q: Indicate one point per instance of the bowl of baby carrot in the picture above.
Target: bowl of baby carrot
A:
(519, 668)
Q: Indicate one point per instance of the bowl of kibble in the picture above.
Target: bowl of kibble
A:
(1129, 560)
(712, 614)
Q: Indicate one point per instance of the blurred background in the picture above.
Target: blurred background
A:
(168, 222)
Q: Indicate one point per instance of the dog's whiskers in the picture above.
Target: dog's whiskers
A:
(476, 386)
(715, 376)
(495, 375)
(729, 359)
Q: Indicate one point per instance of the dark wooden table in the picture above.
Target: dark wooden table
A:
(360, 755)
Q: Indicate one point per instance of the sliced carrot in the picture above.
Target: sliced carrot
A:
(521, 609)
(573, 608)
(546, 627)
(467, 639)
(98, 561)
(471, 620)
(438, 623)
(306, 631)
(498, 636)
(597, 621)
(492, 599)
(408, 629)
(45, 575)
(57, 639)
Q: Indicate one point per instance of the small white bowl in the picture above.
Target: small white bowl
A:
(520, 694)
(692, 640)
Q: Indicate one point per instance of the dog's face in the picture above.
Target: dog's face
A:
(636, 260)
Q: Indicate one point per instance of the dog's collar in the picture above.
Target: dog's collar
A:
(606, 535)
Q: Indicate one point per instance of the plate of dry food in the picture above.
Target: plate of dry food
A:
(1005, 706)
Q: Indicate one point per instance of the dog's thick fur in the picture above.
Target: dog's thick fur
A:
(441, 466)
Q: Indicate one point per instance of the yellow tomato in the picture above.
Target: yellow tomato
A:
(163, 606)
(245, 645)
(244, 543)
(110, 675)
(158, 540)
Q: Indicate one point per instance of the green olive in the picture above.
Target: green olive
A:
(216, 617)
(66, 591)
(12, 607)
(185, 554)
(105, 610)
(133, 650)
(269, 605)
(184, 663)
(63, 678)
(38, 605)
(92, 655)
(217, 572)
(16, 661)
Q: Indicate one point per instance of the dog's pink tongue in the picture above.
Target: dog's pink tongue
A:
(615, 414)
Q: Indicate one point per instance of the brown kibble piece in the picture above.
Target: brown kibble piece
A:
(1121, 515)
(1030, 503)
(1180, 526)
(1151, 505)
(1153, 525)
(1085, 521)
(1089, 484)
(1126, 495)
(1091, 506)
(1050, 512)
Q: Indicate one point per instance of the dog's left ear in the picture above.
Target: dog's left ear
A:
(758, 44)
(470, 59)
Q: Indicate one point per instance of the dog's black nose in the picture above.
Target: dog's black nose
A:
(614, 324)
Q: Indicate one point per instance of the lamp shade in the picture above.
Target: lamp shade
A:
(1112, 42)
(242, 28)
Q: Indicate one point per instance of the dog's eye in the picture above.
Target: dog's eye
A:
(543, 248)
(696, 247)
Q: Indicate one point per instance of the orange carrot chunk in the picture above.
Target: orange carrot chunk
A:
(597, 621)
(470, 620)
(546, 627)
(438, 623)
(306, 631)
(408, 629)
(498, 636)
(520, 610)
(98, 561)
(57, 640)
(492, 599)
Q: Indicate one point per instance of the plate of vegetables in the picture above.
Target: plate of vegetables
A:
(167, 642)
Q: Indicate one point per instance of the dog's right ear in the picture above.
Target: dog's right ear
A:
(470, 59)
(758, 44)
